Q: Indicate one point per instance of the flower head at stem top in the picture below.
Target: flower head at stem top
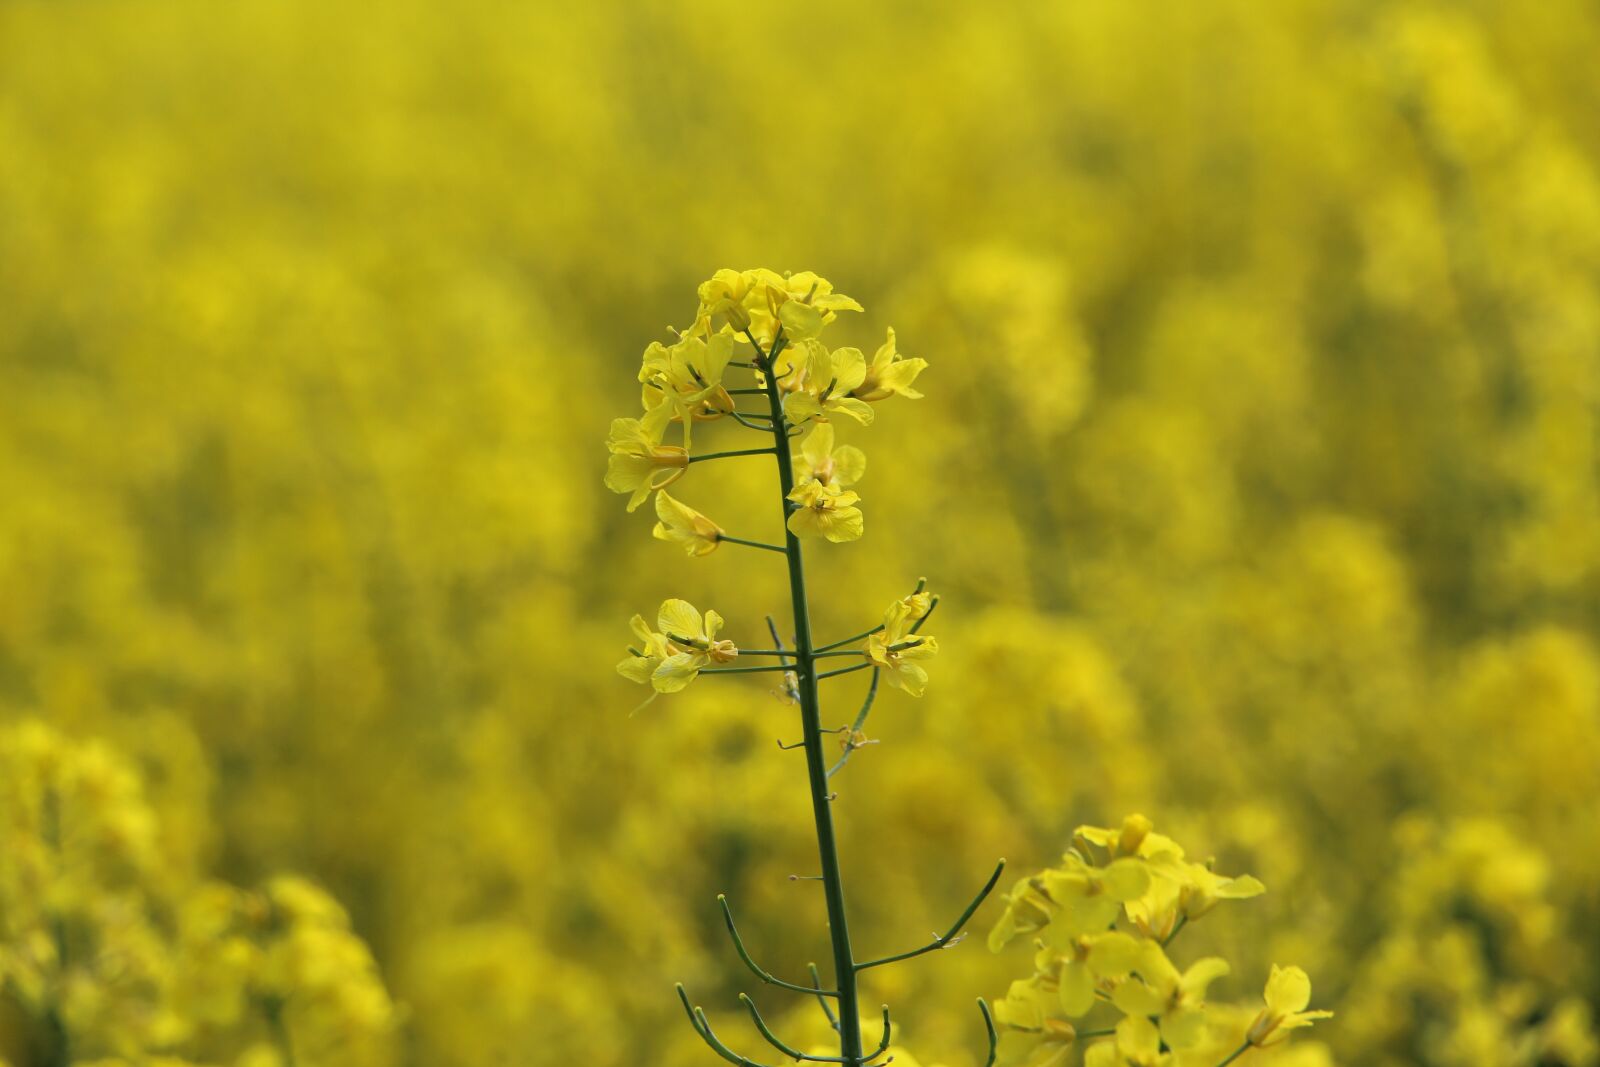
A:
(897, 651)
(825, 511)
(1287, 994)
(685, 527)
(764, 301)
(675, 654)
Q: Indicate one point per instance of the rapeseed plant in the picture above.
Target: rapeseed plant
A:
(771, 314)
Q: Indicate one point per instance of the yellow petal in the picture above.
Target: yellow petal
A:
(1288, 990)
(679, 617)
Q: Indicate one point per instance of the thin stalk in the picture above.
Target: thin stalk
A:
(749, 544)
(852, 639)
(844, 963)
(1240, 1051)
(729, 454)
(846, 670)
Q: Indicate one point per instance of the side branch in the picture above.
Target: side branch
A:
(697, 1019)
(994, 1038)
(949, 936)
(738, 945)
(794, 1053)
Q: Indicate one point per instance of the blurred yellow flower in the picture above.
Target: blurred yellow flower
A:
(1287, 994)
(1176, 1001)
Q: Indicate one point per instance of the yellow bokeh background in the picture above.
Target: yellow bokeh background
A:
(1259, 473)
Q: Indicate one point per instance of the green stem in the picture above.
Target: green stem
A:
(844, 963)
(852, 639)
(750, 544)
(1240, 1051)
(730, 454)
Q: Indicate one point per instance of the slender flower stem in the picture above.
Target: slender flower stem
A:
(730, 454)
(1175, 928)
(743, 670)
(845, 670)
(861, 720)
(749, 544)
(838, 652)
(1235, 1054)
(852, 639)
(844, 963)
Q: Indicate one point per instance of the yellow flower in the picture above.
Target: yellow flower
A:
(825, 381)
(691, 643)
(763, 300)
(1135, 837)
(723, 294)
(651, 650)
(1180, 890)
(1175, 1001)
(1028, 908)
(825, 511)
(819, 459)
(640, 463)
(1287, 994)
(688, 377)
(1088, 961)
(1027, 1008)
(684, 526)
(896, 650)
(890, 375)
(1137, 1043)
(1087, 898)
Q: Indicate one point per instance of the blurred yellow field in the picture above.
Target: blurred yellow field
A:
(1256, 471)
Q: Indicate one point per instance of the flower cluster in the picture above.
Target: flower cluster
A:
(769, 325)
(1102, 923)
(118, 959)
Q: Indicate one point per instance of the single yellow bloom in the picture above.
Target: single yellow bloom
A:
(684, 526)
(1137, 1044)
(1175, 1001)
(1087, 898)
(1089, 961)
(1180, 890)
(825, 511)
(647, 654)
(1287, 994)
(896, 650)
(826, 379)
(640, 463)
(692, 645)
(819, 459)
(890, 375)
(687, 376)
(1027, 1008)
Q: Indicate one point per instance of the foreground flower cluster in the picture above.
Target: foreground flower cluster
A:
(1103, 923)
(116, 959)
